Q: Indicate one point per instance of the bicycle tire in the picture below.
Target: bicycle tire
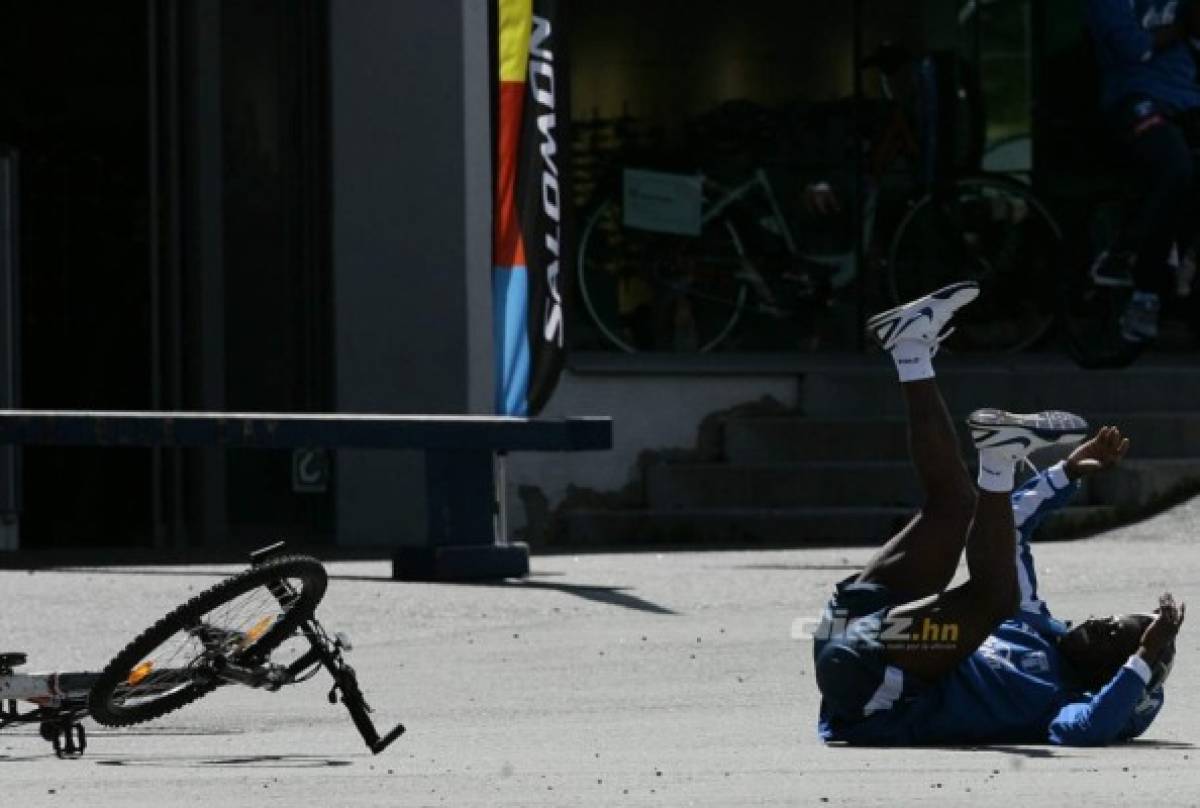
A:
(106, 702)
(716, 320)
(1017, 305)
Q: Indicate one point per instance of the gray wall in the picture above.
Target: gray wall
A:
(411, 237)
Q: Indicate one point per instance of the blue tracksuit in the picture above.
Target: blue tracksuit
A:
(1129, 66)
(1014, 687)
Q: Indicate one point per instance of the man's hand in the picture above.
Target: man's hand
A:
(1105, 449)
(1162, 631)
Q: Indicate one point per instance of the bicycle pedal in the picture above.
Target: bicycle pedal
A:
(68, 740)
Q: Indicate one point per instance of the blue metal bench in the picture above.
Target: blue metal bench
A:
(463, 454)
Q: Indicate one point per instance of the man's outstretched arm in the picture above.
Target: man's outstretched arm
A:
(1099, 721)
(1106, 717)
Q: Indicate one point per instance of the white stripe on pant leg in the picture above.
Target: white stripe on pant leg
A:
(1028, 601)
(888, 692)
(1030, 502)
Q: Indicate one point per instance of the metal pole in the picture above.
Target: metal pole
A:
(10, 496)
(500, 484)
(153, 242)
(173, 304)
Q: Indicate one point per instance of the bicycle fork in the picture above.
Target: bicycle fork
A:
(328, 653)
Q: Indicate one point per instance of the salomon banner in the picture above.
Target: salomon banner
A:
(529, 251)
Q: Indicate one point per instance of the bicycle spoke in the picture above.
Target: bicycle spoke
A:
(231, 630)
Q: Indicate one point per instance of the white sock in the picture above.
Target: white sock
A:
(913, 360)
(997, 470)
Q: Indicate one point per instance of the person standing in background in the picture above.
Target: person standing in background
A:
(1148, 93)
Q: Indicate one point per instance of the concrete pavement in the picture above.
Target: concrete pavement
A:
(603, 680)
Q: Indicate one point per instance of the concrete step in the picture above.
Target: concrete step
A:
(779, 527)
(862, 391)
(793, 439)
(818, 485)
(1135, 485)
(1138, 486)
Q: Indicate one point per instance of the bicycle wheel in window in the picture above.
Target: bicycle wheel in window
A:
(653, 291)
(242, 620)
(991, 230)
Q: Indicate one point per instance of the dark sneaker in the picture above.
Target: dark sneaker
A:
(923, 319)
(1022, 434)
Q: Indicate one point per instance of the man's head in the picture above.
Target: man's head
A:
(1099, 646)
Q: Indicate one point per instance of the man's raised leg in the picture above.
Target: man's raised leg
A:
(921, 559)
(944, 629)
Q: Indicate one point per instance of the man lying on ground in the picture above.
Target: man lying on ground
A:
(901, 659)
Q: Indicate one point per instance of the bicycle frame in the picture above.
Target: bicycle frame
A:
(845, 264)
(732, 195)
(48, 688)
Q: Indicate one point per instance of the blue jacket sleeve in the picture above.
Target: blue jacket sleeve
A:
(1040, 496)
(1117, 31)
(1101, 720)
(1032, 503)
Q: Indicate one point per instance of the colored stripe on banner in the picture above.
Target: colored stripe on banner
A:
(510, 302)
(508, 247)
(515, 20)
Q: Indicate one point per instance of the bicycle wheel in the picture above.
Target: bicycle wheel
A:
(239, 619)
(650, 291)
(991, 230)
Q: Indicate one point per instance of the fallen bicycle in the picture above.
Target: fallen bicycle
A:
(224, 635)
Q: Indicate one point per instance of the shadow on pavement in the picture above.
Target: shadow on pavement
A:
(612, 595)
(801, 567)
(1050, 751)
(1139, 743)
(232, 761)
(1020, 750)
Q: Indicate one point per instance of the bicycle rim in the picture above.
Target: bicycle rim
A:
(240, 619)
(647, 291)
(992, 231)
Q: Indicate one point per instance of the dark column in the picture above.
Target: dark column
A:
(205, 240)
(411, 238)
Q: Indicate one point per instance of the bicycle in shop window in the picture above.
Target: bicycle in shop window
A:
(680, 261)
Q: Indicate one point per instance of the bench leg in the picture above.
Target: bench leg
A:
(464, 513)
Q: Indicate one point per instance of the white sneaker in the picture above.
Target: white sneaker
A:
(1018, 435)
(923, 319)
